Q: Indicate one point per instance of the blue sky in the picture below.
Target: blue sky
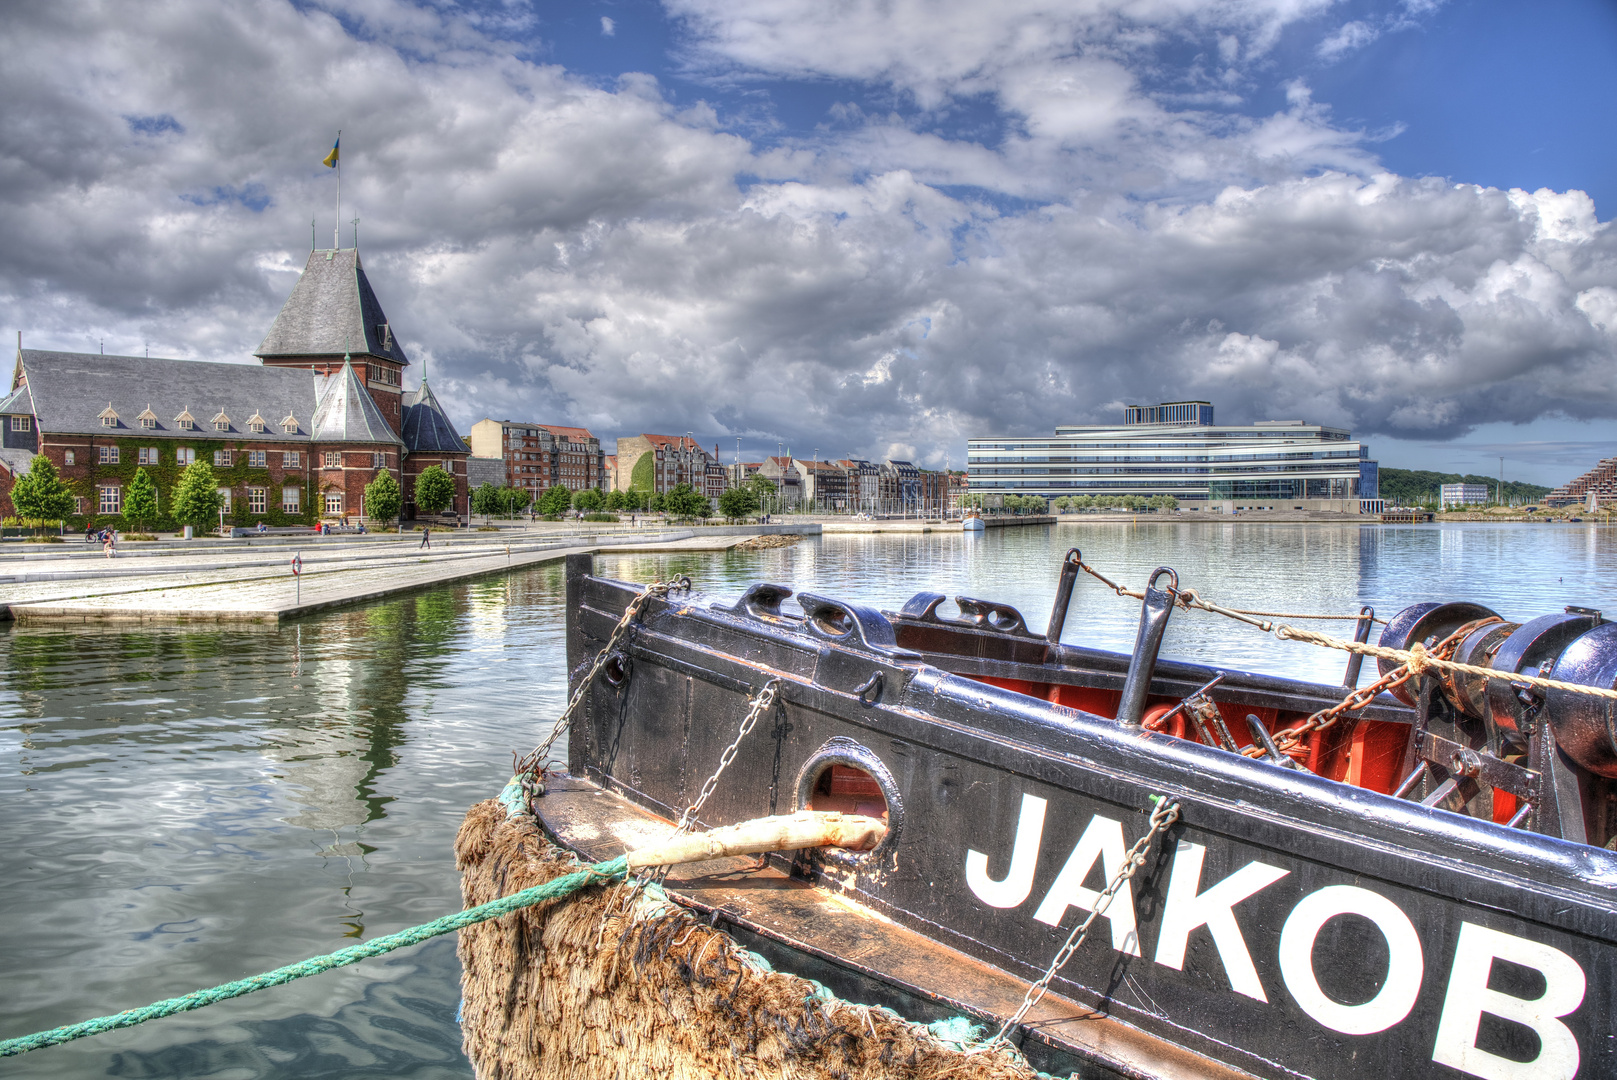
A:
(875, 228)
(1493, 92)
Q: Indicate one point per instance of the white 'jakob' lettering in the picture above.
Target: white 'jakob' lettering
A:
(1018, 882)
(1186, 909)
(1469, 997)
(1405, 964)
(1103, 840)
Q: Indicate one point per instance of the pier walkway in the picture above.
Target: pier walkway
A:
(214, 582)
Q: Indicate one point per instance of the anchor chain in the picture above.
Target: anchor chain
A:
(757, 706)
(1164, 815)
(530, 765)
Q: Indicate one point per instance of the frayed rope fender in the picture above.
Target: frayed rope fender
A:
(611, 870)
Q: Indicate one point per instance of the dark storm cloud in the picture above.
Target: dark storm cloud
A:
(556, 249)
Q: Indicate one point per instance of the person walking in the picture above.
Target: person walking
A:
(106, 542)
(426, 537)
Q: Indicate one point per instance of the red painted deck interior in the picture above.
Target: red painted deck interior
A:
(1364, 753)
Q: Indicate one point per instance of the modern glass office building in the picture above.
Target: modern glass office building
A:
(1176, 449)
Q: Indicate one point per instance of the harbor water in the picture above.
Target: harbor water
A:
(180, 807)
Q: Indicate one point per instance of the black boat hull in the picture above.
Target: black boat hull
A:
(1288, 925)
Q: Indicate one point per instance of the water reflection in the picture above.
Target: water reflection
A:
(183, 807)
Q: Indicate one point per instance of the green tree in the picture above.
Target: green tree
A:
(515, 499)
(39, 494)
(685, 501)
(617, 499)
(589, 500)
(654, 502)
(140, 499)
(434, 489)
(488, 499)
(555, 501)
(763, 489)
(197, 500)
(383, 498)
(738, 502)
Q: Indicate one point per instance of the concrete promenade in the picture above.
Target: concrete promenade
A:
(241, 583)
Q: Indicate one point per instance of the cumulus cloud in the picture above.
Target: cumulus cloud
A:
(1347, 38)
(565, 248)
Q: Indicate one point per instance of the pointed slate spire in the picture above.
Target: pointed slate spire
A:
(331, 308)
(346, 413)
(426, 428)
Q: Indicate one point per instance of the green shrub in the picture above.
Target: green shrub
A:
(600, 517)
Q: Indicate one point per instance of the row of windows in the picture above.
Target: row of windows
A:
(1239, 470)
(185, 455)
(110, 498)
(1259, 455)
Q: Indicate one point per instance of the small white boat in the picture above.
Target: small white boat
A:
(972, 522)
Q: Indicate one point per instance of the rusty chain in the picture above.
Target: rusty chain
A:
(759, 705)
(530, 765)
(1288, 738)
(1163, 815)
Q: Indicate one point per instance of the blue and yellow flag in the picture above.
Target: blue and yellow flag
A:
(330, 161)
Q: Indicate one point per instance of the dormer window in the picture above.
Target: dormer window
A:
(185, 421)
(109, 417)
(221, 422)
(289, 424)
(256, 422)
(147, 419)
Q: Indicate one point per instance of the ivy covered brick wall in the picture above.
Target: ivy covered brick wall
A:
(238, 477)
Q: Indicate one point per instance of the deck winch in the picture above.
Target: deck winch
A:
(1552, 751)
(1575, 646)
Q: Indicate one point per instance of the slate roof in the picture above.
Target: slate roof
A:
(347, 413)
(68, 391)
(332, 311)
(16, 461)
(20, 400)
(426, 428)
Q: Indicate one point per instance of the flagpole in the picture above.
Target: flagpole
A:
(336, 232)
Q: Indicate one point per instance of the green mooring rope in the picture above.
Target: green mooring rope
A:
(550, 890)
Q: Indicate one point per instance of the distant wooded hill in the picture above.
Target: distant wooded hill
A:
(1418, 487)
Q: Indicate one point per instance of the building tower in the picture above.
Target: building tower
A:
(333, 313)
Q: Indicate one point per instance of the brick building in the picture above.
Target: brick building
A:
(540, 456)
(716, 478)
(824, 485)
(660, 463)
(292, 439)
(864, 484)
